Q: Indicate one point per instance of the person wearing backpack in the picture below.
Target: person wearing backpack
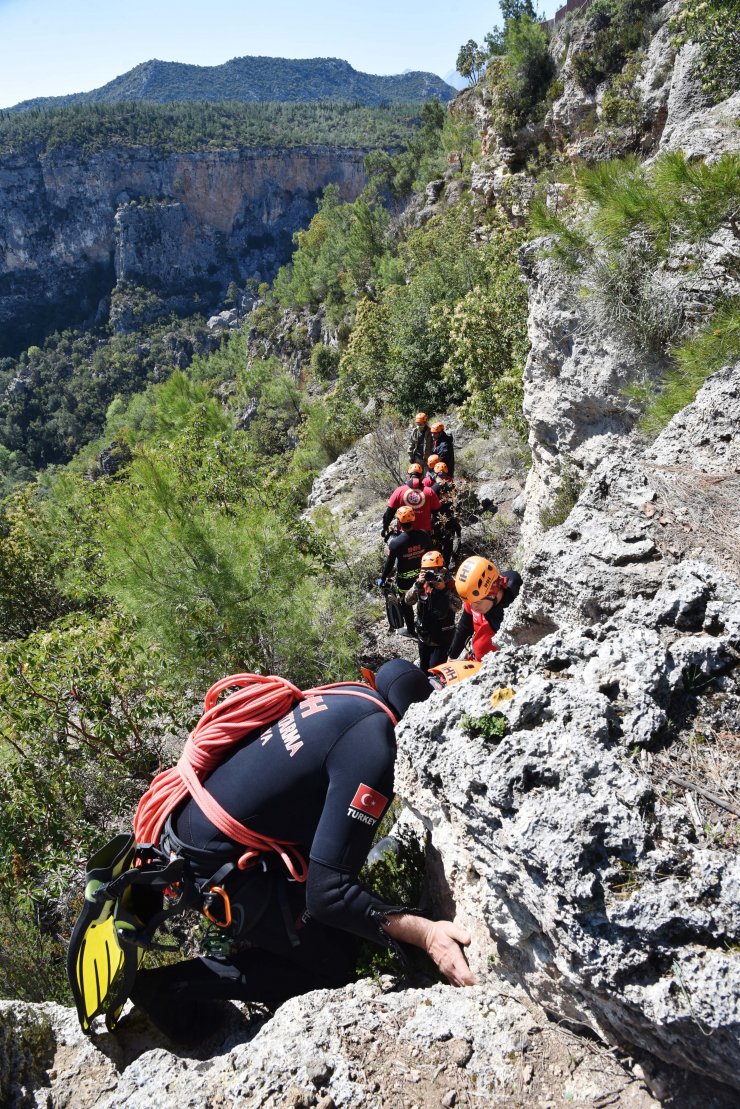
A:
(436, 602)
(306, 792)
(405, 552)
(443, 446)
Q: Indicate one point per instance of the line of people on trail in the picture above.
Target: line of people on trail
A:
(420, 551)
(265, 822)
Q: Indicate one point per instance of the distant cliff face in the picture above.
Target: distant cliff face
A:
(178, 224)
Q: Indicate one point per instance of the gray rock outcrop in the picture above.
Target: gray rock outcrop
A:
(555, 840)
(177, 223)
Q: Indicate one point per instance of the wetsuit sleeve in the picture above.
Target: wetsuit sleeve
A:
(388, 515)
(511, 592)
(463, 632)
(390, 561)
(360, 770)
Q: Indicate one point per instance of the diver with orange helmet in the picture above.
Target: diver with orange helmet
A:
(405, 552)
(486, 593)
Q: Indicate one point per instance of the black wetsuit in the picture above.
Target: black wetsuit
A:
(321, 777)
(405, 551)
(444, 447)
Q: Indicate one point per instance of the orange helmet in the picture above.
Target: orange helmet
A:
(432, 461)
(432, 560)
(441, 468)
(405, 515)
(436, 429)
(415, 468)
(476, 578)
(421, 417)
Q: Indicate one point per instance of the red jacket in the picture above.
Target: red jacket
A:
(424, 502)
(482, 634)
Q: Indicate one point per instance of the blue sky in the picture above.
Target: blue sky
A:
(51, 47)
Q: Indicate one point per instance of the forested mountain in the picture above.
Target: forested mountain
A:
(255, 79)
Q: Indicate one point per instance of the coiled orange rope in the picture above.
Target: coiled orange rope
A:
(258, 702)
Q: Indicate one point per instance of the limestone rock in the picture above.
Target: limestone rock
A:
(693, 125)
(177, 223)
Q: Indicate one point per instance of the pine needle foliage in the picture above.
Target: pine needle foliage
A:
(714, 346)
(626, 221)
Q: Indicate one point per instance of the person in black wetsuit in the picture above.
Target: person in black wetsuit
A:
(443, 446)
(404, 553)
(436, 602)
(320, 777)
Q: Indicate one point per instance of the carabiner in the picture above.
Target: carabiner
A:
(227, 907)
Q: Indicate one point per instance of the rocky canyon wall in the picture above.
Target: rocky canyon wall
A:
(182, 225)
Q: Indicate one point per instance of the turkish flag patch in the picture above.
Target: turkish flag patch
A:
(369, 800)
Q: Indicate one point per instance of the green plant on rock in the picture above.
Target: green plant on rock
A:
(621, 105)
(713, 346)
(714, 25)
(519, 78)
(630, 220)
(491, 726)
(396, 878)
(570, 488)
(620, 27)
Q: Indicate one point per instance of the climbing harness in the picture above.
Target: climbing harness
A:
(136, 882)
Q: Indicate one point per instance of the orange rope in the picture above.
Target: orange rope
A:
(258, 702)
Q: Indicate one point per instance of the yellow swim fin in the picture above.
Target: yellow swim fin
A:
(101, 970)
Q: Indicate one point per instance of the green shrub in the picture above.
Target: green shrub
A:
(565, 499)
(621, 105)
(715, 26)
(621, 26)
(519, 78)
(397, 879)
(630, 218)
(325, 362)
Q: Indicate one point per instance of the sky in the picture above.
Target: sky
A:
(54, 47)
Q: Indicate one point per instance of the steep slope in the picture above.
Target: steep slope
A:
(591, 849)
(255, 79)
